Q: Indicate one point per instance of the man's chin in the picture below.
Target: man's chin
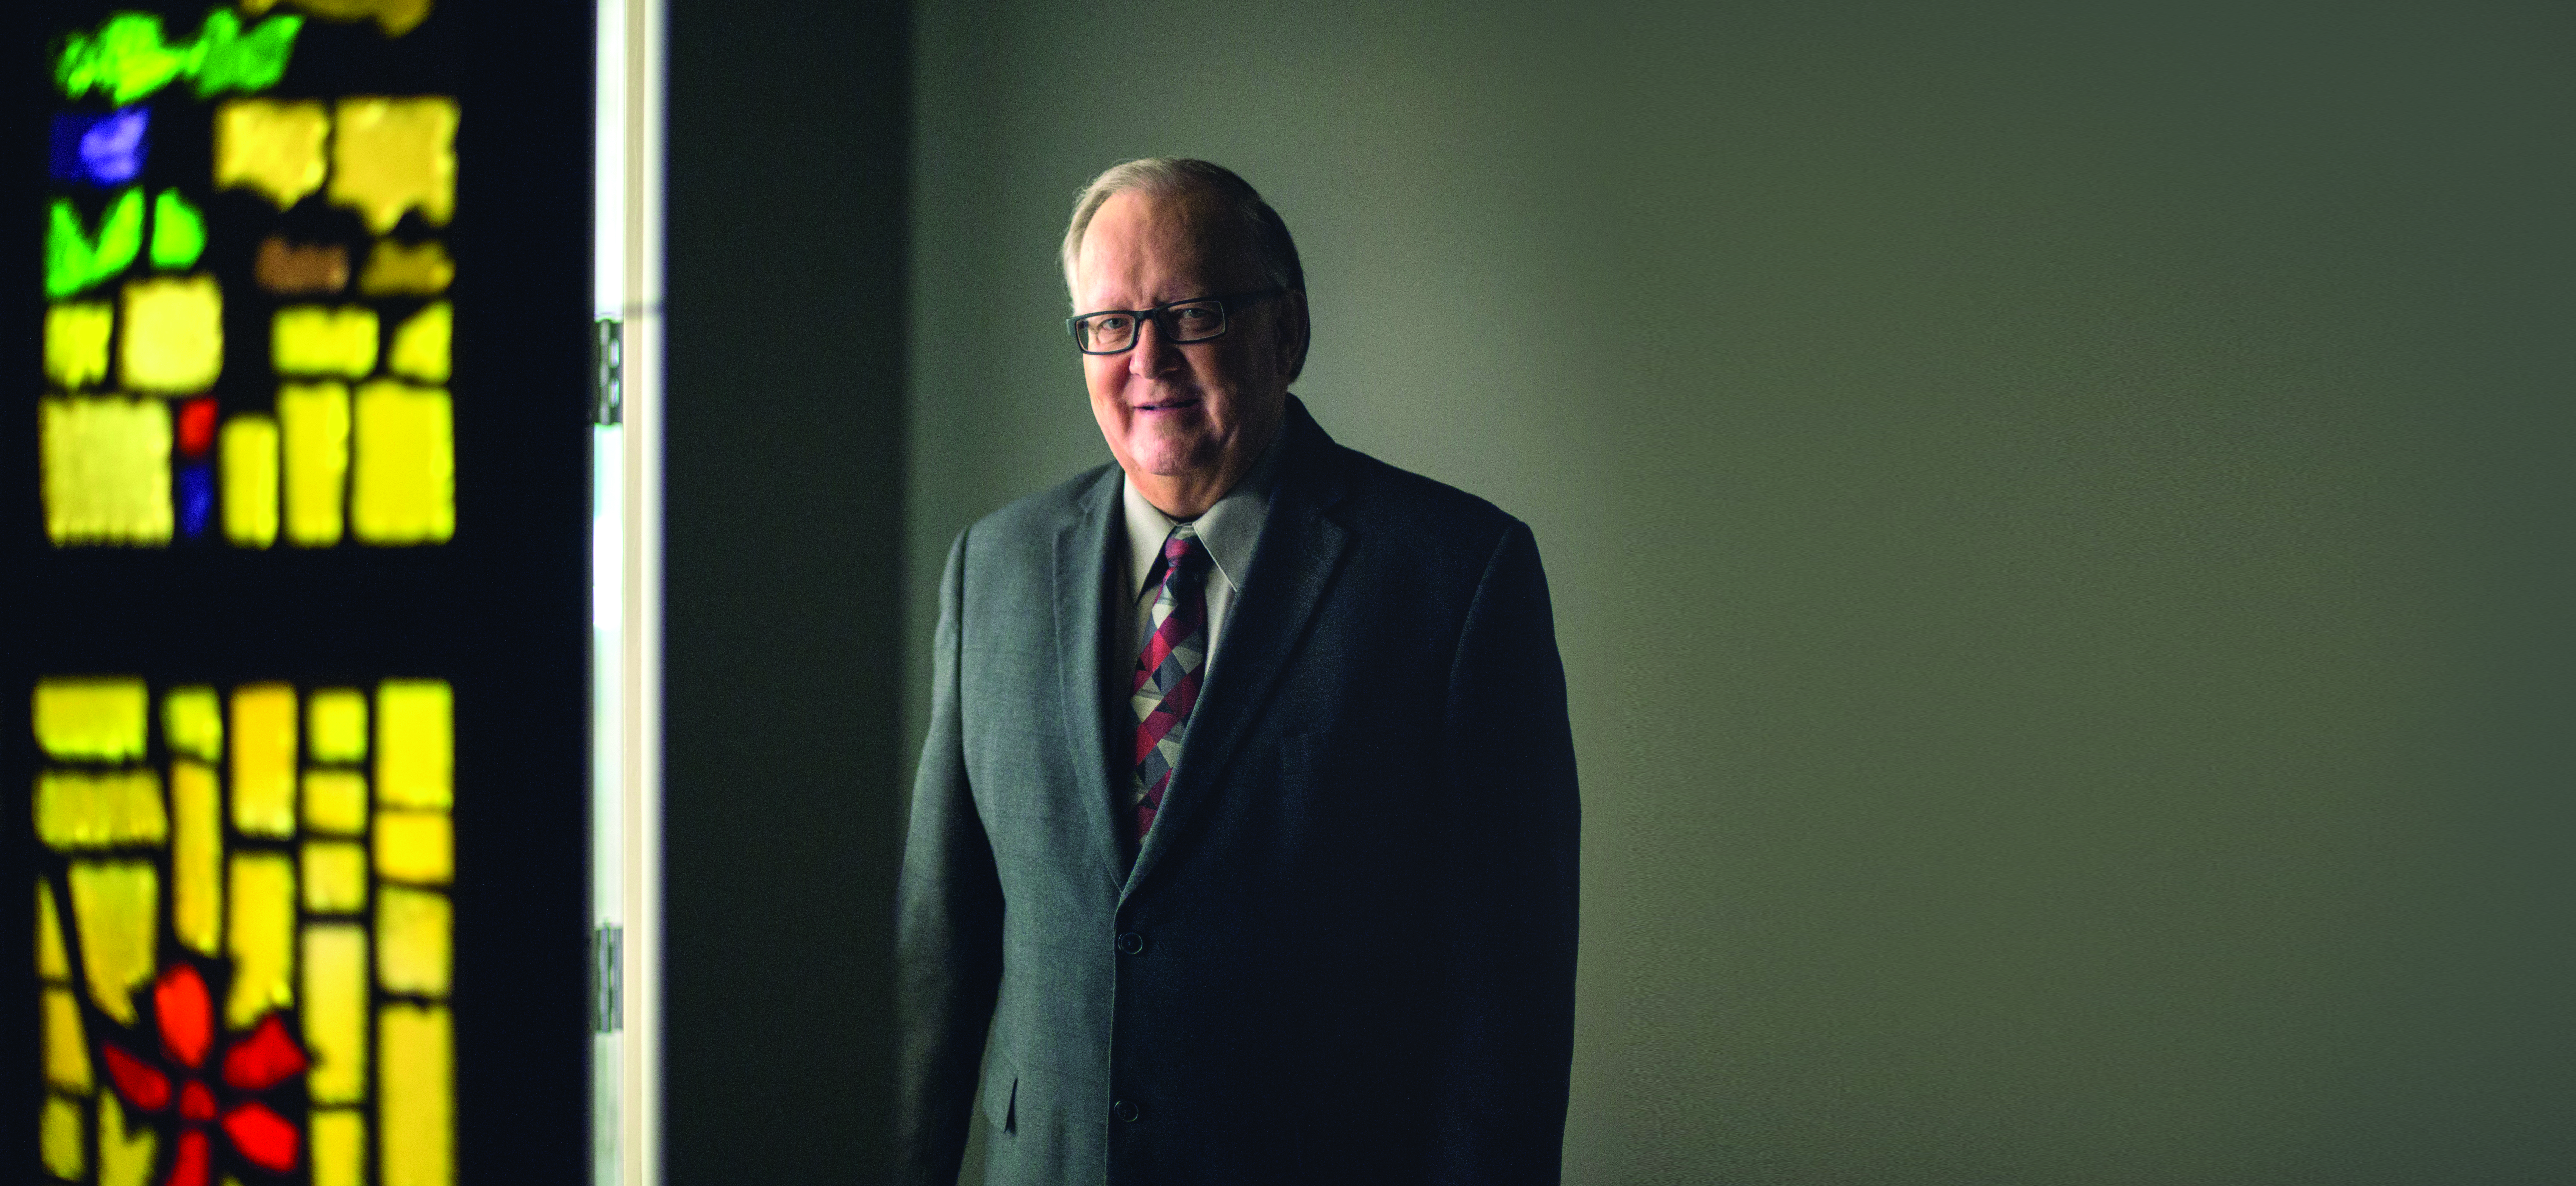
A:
(1167, 458)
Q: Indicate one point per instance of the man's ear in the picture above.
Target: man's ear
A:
(1295, 331)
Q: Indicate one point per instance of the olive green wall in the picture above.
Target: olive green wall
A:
(2058, 516)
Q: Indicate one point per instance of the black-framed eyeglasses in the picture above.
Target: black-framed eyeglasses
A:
(1113, 331)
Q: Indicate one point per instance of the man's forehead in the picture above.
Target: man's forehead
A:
(1138, 232)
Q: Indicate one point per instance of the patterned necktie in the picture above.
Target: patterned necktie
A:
(1167, 669)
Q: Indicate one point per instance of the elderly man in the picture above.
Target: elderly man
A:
(1246, 825)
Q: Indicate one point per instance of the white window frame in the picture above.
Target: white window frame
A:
(627, 594)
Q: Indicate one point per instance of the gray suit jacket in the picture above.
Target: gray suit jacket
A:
(1345, 953)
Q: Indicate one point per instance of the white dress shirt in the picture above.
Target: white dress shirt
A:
(1229, 529)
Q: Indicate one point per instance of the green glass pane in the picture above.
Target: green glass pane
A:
(232, 60)
(131, 56)
(75, 259)
(178, 231)
(127, 58)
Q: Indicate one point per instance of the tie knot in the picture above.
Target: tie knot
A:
(1182, 551)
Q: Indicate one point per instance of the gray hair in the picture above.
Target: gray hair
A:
(1262, 227)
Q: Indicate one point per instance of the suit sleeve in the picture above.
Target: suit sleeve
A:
(1510, 879)
(948, 926)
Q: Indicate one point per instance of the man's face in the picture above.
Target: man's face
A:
(1196, 412)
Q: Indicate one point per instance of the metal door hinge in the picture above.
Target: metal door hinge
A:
(607, 980)
(607, 372)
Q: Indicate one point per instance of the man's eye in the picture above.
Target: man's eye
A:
(1109, 325)
(1195, 316)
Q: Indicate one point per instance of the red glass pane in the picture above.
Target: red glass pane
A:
(186, 1013)
(195, 1102)
(263, 1136)
(192, 1166)
(265, 1058)
(196, 427)
(136, 1080)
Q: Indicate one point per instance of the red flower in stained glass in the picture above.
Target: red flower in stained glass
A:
(184, 1013)
(264, 1059)
(142, 1084)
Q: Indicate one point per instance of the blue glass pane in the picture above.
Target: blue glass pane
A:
(100, 149)
(196, 499)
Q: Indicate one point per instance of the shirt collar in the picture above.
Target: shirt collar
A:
(1229, 529)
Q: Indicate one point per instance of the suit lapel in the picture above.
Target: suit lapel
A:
(1291, 567)
(1082, 567)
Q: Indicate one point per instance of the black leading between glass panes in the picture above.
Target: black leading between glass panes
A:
(1112, 331)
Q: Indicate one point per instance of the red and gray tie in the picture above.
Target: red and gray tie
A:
(1167, 669)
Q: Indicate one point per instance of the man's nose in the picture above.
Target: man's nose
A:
(1151, 355)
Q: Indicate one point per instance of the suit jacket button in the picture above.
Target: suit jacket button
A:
(1131, 943)
(1127, 1110)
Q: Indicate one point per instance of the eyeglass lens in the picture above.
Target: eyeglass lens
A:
(1194, 322)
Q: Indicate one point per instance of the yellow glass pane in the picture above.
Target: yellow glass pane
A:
(77, 809)
(76, 343)
(415, 846)
(107, 470)
(335, 802)
(335, 876)
(315, 417)
(262, 937)
(95, 720)
(66, 1048)
(64, 1151)
(393, 155)
(270, 147)
(421, 344)
(323, 340)
(416, 1094)
(404, 491)
(250, 480)
(335, 1011)
(53, 956)
(264, 759)
(335, 725)
(196, 856)
(394, 269)
(114, 906)
(339, 1144)
(122, 1160)
(414, 941)
(192, 723)
(174, 334)
(415, 744)
(395, 17)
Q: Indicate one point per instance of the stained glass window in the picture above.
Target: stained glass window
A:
(198, 186)
(299, 523)
(223, 986)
